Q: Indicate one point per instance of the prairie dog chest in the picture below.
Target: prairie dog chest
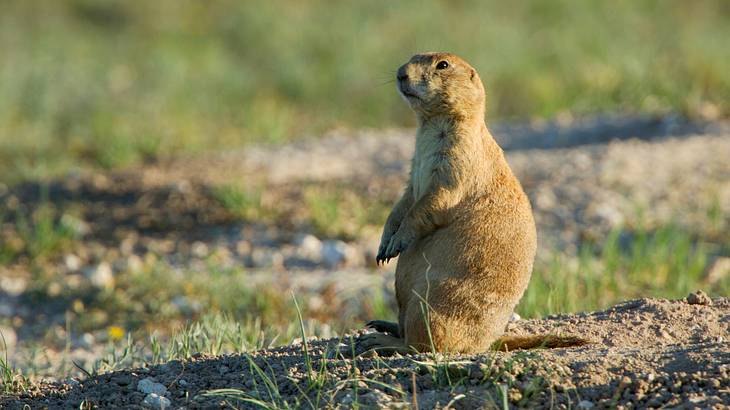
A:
(427, 156)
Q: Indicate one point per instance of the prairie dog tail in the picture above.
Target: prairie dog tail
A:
(509, 343)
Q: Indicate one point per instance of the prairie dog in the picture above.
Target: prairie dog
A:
(463, 228)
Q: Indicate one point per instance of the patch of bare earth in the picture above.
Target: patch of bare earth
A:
(645, 353)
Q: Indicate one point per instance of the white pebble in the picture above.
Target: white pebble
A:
(72, 262)
(309, 247)
(101, 276)
(156, 401)
(149, 386)
(336, 253)
(585, 404)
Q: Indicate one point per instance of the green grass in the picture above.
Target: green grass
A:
(666, 263)
(212, 334)
(334, 211)
(330, 210)
(11, 380)
(242, 203)
(108, 84)
(37, 232)
(38, 236)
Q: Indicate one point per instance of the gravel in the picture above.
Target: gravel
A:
(627, 365)
(149, 386)
(156, 401)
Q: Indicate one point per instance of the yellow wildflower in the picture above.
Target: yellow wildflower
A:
(115, 333)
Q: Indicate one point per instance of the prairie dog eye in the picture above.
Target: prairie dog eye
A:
(442, 65)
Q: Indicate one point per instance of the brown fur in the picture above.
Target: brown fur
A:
(463, 228)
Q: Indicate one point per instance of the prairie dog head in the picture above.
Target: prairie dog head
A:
(441, 84)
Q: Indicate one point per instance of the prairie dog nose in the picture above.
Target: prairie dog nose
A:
(402, 76)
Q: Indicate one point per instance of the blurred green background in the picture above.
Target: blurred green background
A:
(116, 83)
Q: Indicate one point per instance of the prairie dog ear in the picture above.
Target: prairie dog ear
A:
(472, 74)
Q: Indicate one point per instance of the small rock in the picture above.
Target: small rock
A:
(181, 187)
(9, 335)
(87, 340)
(72, 262)
(13, 285)
(126, 246)
(348, 399)
(515, 317)
(101, 276)
(375, 398)
(54, 289)
(133, 264)
(73, 382)
(74, 281)
(76, 226)
(156, 401)
(199, 249)
(585, 404)
(336, 253)
(309, 248)
(243, 248)
(266, 258)
(699, 298)
(149, 386)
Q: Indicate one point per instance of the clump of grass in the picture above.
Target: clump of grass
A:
(328, 210)
(43, 235)
(241, 203)
(339, 212)
(213, 334)
(38, 233)
(11, 381)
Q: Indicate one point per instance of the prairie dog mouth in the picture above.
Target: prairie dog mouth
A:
(406, 92)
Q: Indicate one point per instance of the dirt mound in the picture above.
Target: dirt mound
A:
(646, 353)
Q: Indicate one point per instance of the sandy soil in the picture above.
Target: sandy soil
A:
(645, 353)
